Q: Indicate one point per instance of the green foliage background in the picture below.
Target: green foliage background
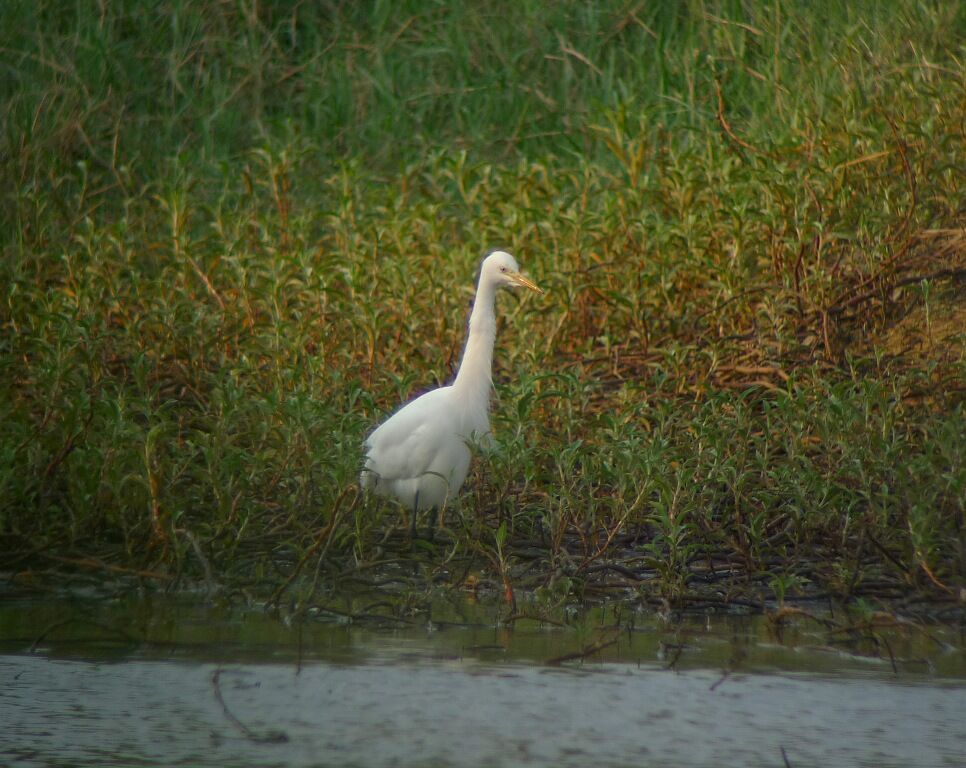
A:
(237, 233)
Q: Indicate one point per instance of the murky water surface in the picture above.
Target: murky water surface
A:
(151, 682)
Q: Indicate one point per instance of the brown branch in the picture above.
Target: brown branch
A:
(587, 650)
(206, 280)
(578, 55)
(840, 306)
(888, 555)
(727, 128)
(94, 564)
(932, 577)
(78, 620)
(910, 177)
(322, 538)
(533, 617)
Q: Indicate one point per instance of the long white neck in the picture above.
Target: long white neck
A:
(473, 380)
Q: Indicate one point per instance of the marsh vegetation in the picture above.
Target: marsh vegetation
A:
(235, 235)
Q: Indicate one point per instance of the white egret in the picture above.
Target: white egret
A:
(420, 455)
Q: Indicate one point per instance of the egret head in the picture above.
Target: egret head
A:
(501, 269)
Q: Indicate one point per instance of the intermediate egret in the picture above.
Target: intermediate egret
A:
(420, 455)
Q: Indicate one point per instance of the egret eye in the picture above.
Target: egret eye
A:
(503, 269)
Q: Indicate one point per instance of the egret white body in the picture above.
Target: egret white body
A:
(421, 454)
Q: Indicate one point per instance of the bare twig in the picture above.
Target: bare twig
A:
(910, 178)
(841, 304)
(726, 127)
(94, 564)
(272, 737)
(322, 538)
(588, 650)
(720, 680)
(932, 576)
(541, 619)
(205, 279)
(578, 55)
(80, 620)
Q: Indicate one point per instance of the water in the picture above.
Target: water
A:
(148, 682)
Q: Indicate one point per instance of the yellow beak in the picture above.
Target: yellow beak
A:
(519, 279)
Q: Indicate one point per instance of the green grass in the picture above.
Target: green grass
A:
(236, 234)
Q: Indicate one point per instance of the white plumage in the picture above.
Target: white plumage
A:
(421, 454)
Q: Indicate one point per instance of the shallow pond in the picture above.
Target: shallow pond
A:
(146, 681)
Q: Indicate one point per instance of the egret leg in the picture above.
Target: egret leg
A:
(412, 523)
(434, 512)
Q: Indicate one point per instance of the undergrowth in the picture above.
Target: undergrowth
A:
(235, 235)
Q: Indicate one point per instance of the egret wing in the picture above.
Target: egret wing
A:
(408, 444)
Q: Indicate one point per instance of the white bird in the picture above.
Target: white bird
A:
(421, 454)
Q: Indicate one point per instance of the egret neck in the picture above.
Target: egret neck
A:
(474, 378)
